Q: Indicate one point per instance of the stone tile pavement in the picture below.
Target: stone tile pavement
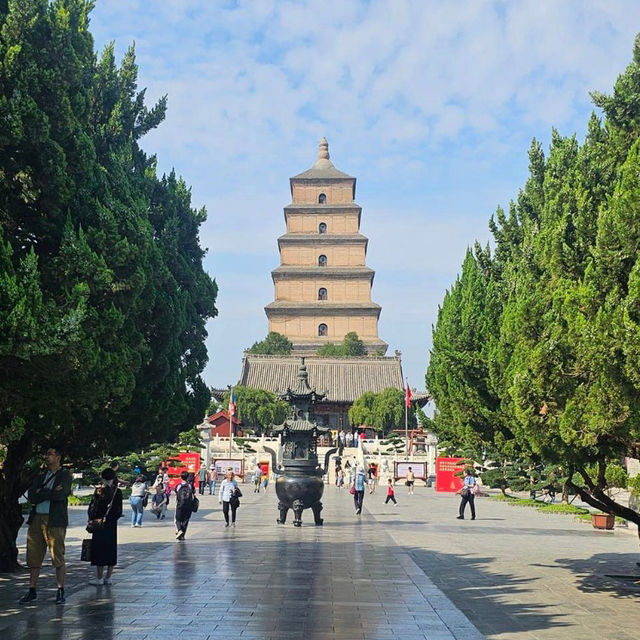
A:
(519, 574)
(410, 572)
(346, 580)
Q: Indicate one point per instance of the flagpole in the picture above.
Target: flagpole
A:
(230, 431)
(406, 423)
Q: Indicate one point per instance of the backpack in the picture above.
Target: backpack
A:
(185, 495)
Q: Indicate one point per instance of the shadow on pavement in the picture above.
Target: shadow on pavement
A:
(606, 572)
(474, 586)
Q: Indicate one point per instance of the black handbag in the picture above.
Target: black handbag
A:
(85, 552)
(98, 524)
(195, 504)
(238, 493)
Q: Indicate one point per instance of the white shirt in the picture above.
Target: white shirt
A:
(226, 488)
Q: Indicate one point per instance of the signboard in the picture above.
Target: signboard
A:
(187, 461)
(446, 468)
(419, 470)
(224, 464)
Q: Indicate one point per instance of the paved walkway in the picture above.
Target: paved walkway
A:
(346, 580)
(405, 572)
(519, 574)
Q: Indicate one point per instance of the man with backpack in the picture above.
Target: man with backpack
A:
(185, 502)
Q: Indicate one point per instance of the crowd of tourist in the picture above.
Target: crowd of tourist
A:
(50, 490)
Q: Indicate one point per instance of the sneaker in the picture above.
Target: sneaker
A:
(96, 582)
(473, 517)
(178, 534)
(30, 596)
(181, 536)
(60, 599)
(233, 524)
(108, 581)
(226, 525)
(459, 517)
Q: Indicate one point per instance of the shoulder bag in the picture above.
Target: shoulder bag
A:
(98, 524)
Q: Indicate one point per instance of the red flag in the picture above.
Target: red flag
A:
(408, 396)
(232, 404)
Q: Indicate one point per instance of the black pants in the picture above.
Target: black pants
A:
(201, 485)
(391, 497)
(468, 497)
(358, 498)
(182, 518)
(225, 511)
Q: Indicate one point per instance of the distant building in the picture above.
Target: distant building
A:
(323, 286)
(219, 425)
(343, 380)
(323, 292)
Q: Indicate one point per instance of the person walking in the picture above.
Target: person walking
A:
(137, 500)
(265, 481)
(257, 478)
(202, 480)
(228, 497)
(349, 439)
(212, 479)
(390, 493)
(371, 478)
(184, 505)
(410, 480)
(468, 494)
(185, 498)
(48, 522)
(359, 483)
(340, 478)
(159, 502)
(105, 507)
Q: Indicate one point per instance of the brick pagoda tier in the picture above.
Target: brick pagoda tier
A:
(323, 286)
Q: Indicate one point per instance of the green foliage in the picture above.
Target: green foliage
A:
(275, 344)
(351, 345)
(536, 350)
(383, 411)
(634, 485)
(103, 297)
(258, 408)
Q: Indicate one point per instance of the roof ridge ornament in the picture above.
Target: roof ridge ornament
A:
(323, 161)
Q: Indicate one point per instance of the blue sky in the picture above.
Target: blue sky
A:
(432, 105)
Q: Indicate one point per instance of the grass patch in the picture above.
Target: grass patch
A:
(78, 501)
(563, 508)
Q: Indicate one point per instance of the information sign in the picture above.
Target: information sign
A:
(446, 478)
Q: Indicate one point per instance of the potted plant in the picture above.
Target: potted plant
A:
(600, 520)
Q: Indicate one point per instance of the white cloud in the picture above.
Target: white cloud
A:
(430, 103)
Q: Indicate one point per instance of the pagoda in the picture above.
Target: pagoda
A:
(323, 286)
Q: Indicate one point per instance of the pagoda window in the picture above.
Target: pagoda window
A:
(322, 261)
(322, 227)
(322, 198)
(322, 293)
(323, 330)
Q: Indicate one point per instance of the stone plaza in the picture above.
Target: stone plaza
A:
(411, 571)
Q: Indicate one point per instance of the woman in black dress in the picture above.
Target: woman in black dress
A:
(106, 504)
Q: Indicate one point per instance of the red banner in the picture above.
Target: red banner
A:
(186, 461)
(446, 468)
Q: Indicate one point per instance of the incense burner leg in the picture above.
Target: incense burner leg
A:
(283, 509)
(298, 507)
(316, 507)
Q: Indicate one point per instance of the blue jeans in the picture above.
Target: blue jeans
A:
(212, 487)
(136, 510)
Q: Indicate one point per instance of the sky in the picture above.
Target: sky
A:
(432, 105)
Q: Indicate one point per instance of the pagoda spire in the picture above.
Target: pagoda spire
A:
(323, 161)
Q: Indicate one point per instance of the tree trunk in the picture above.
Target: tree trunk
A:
(12, 486)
